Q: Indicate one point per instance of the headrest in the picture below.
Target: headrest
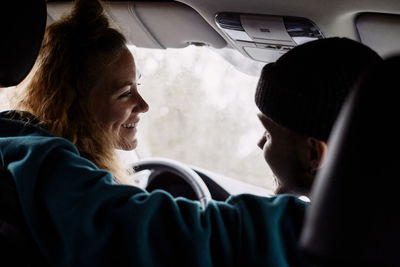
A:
(354, 217)
(22, 25)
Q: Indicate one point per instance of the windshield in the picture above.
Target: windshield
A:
(202, 111)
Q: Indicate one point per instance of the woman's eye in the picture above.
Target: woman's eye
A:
(126, 94)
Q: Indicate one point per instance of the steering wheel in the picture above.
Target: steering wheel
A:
(159, 165)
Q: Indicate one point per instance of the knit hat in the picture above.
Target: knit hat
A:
(306, 87)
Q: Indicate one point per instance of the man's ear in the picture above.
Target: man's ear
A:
(317, 150)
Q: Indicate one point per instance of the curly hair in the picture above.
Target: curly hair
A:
(73, 55)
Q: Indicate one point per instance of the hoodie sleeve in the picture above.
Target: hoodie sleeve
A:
(79, 218)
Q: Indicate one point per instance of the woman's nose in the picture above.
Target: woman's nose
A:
(145, 106)
(141, 106)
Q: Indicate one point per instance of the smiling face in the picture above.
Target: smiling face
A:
(116, 103)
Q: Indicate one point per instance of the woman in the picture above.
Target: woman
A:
(76, 215)
(83, 87)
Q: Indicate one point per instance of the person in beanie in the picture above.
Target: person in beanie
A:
(300, 96)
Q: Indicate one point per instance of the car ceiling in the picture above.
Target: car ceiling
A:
(175, 24)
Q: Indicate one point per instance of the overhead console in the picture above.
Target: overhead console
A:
(263, 37)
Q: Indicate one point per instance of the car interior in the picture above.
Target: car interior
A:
(352, 217)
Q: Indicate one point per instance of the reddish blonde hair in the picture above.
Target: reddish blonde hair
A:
(74, 53)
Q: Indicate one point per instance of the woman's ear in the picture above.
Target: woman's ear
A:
(317, 150)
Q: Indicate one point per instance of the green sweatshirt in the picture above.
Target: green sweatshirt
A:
(78, 217)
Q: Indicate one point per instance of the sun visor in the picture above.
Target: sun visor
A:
(381, 32)
(155, 24)
(265, 38)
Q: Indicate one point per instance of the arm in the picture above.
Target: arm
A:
(77, 216)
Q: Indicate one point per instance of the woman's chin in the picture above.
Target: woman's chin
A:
(128, 145)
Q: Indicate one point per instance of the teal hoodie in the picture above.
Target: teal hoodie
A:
(78, 217)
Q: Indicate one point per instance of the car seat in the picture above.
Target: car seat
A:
(354, 217)
(22, 25)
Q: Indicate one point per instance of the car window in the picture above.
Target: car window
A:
(202, 110)
(6, 98)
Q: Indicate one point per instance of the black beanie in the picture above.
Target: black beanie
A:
(306, 87)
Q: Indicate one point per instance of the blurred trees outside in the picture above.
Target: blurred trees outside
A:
(202, 112)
